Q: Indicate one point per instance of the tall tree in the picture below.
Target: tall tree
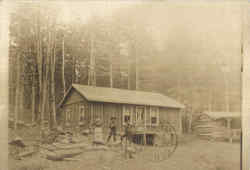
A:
(53, 65)
(63, 62)
(17, 99)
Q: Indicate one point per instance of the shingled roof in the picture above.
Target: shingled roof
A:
(114, 95)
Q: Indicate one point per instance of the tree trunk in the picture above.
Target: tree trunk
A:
(92, 75)
(129, 74)
(53, 103)
(210, 103)
(21, 90)
(17, 92)
(74, 70)
(63, 79)
(190, 121)
(111, 71)
(45, 84)
(33, 98)
(40, 62)
(136, 72)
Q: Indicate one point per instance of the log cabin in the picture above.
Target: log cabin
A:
(218, 125)
(147, 109)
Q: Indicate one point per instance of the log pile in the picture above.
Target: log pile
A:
(19, 150)
(207, 128)
(68, 145)
(59, 145)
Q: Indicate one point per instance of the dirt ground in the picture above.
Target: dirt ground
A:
(192, 154)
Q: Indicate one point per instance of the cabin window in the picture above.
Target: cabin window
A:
(127, 114)
(81, 113)
(68, 115)
(140, 113)
(154, 115)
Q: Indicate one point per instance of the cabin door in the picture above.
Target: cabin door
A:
(140, 118)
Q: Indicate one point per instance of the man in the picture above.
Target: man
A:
(128, 132)
(112, 128)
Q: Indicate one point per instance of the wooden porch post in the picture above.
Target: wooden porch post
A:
(91, 114)
(144, 135)
(180, 120)
(150, 116)
(229, 128)
(145, 126)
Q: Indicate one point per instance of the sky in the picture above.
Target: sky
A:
(86, 9)
(202, 28)
(203, 33)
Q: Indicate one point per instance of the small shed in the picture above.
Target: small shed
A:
(222, 125)
(87, 103)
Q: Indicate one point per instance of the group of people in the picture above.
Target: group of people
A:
(113, 130)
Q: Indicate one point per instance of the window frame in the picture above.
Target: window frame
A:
(124, 113)
(82, 113)
(142, 119)
(157, 115)
(68, 115)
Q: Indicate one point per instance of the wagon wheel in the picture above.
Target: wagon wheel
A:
(165, 143)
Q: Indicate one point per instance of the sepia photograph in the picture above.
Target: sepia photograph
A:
(118, 85)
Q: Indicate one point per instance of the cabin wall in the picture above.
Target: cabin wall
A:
(148, 119)
(72, 104)
(105, 111)
(109, 110)
(236, 123)
(172, 116)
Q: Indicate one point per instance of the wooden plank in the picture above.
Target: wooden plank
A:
(148, 116)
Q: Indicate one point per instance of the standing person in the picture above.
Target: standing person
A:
(112, 129)
(98, 133)
(128, 133)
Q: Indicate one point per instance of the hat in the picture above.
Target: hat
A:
(98, 122)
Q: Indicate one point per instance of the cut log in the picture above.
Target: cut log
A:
(18, 142)
(70, 146)
(27, 153)
(60, 155)
(48, 147)
(54, 156)
(96, 148)
(71, 159)
(117, 143)
(99, 142)
(85, 132)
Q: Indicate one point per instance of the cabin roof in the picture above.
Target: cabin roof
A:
(220, 115)
(114, 95)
